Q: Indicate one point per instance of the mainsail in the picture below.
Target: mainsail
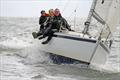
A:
(107, 13)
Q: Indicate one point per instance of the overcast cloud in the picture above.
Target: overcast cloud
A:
(32, 8)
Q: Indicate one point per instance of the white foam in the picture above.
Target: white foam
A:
(15, 43)
(109, 68)
(34, 55)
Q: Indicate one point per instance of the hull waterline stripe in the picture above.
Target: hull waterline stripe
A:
(75, 38)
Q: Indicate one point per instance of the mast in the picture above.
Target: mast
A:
(87, 23)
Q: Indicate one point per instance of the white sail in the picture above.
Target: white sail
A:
(114, 15)
(107, 12)
(102, 8)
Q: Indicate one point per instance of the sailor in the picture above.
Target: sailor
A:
(64, 23)
(53, 25)
(59, 21)
(42, 22)
(51, 12)
(48, 27)
(49, 21)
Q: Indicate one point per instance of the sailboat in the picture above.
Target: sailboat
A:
(82, 46)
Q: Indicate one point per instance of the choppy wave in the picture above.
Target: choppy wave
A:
(22, 59)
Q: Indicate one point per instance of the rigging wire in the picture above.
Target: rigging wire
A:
(75, 15)
(74, 18)
(74, 10)
(66, 4)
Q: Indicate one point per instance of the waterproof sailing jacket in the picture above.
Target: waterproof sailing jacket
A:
(42, 19)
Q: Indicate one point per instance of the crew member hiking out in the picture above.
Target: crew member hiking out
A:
(53, 26)
(42, 22)
(64, 23)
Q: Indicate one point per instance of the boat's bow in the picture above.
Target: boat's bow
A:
(74, 46)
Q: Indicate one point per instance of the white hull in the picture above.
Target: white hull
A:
(75, 47)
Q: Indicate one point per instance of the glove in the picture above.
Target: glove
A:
(71, 30)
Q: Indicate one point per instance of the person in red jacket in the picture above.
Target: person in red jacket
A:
(54, 24)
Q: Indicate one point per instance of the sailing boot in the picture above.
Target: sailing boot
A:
(34, 34)
(45, 42)
(48, 39)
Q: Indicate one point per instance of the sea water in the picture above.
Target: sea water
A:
(22, 59)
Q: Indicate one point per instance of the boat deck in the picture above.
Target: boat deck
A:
(75, 36)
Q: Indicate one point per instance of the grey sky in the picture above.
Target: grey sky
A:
(32, 8)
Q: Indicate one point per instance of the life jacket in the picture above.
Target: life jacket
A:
(47, 15)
